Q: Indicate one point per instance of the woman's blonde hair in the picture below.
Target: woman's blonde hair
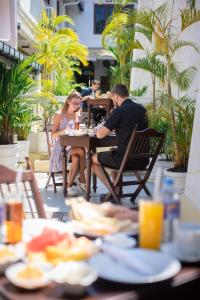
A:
(72, 95)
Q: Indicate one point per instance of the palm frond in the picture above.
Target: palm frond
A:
(180, 43)
(184, 78)
(151, 64)
(189, 17)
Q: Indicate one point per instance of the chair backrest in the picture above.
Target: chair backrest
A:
(27, 187)
(145, 144)
(49, 139)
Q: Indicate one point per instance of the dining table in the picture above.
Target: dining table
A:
(90, 142)
(184, 285)
(106, 103)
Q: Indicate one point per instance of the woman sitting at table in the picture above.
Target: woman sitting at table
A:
(64, 120)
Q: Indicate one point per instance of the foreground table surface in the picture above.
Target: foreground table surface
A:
(183, 286)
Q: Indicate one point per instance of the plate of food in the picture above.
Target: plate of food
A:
(28, 276)
(90, 219)
(10, 254)
(54, 247)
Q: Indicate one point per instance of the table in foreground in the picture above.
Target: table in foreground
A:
(90, 143)
(183, 286)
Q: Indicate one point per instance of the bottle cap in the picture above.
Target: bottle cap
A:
(168, 181)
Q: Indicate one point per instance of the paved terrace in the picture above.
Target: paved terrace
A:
(55, 203)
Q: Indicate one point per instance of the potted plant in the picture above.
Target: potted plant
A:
(15, 83)
(23, 128)
(184, 110)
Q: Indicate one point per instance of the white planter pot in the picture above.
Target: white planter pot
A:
(179, 180)
(38, 142)
(160, 163)
(23, 150)
(9, 155)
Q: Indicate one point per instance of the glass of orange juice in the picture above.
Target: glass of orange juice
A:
(150, 224)
(14, 219)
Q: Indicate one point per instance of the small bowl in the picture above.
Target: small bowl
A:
(74, 277)
(18, 251)
(28, 284)
(121, 240)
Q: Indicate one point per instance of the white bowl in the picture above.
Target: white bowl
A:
(74, 277)
(121, 240)
(28, 284)
(18, 253)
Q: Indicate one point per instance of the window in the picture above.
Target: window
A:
(101, 15)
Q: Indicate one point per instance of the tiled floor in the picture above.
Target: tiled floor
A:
(55, 203)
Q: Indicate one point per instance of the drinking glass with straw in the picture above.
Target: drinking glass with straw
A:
(14, 213)
(151, 218)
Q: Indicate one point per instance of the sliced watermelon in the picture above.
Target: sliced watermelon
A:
(48, 237)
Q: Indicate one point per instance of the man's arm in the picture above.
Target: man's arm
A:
(102, 132)
(111, 124)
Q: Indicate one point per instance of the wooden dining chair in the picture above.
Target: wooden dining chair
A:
(28, 187)
(50, 143)
(145, 144)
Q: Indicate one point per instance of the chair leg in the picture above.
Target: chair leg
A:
(141, 185)
(48, 180)
(54, 182)
(94, 177)
(111, 187)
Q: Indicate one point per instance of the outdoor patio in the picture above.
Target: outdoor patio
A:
(54, 203)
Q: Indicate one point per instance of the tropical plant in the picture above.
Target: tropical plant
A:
(154, 65)
(64, 86)
(184, 109)
(15, 83)
(120, 43)
(157, 26)
(59, 51)
(139, 92)
(24, 120)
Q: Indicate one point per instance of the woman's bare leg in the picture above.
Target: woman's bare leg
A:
(80, 153)
(73, 169)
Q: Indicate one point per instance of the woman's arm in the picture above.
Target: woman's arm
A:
(56, 123)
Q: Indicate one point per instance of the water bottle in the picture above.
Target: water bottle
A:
(171, 209)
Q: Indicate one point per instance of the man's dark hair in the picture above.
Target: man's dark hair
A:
(95, 82)
(121, 90)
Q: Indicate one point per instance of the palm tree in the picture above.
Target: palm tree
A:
(58, 50)
(156, 67)
(157, 26)
(121, 44)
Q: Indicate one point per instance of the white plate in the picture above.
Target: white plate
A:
(28, 284)
(173, 250)
(160, 266)
(121, 240)
(34, 227)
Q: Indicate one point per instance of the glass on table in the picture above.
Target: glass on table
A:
(14, 215)
(150, 224)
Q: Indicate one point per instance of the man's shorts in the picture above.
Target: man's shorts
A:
(111, 160)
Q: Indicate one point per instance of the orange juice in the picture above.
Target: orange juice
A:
(150, 224)
(14, 218)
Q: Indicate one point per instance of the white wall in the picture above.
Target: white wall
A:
(84, 23)
(32, 8)
(8, 23)
(185, 57)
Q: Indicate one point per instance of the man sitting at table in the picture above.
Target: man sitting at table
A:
(123, 120)
(89, 92)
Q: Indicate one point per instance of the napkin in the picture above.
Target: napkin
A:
(127, 259)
